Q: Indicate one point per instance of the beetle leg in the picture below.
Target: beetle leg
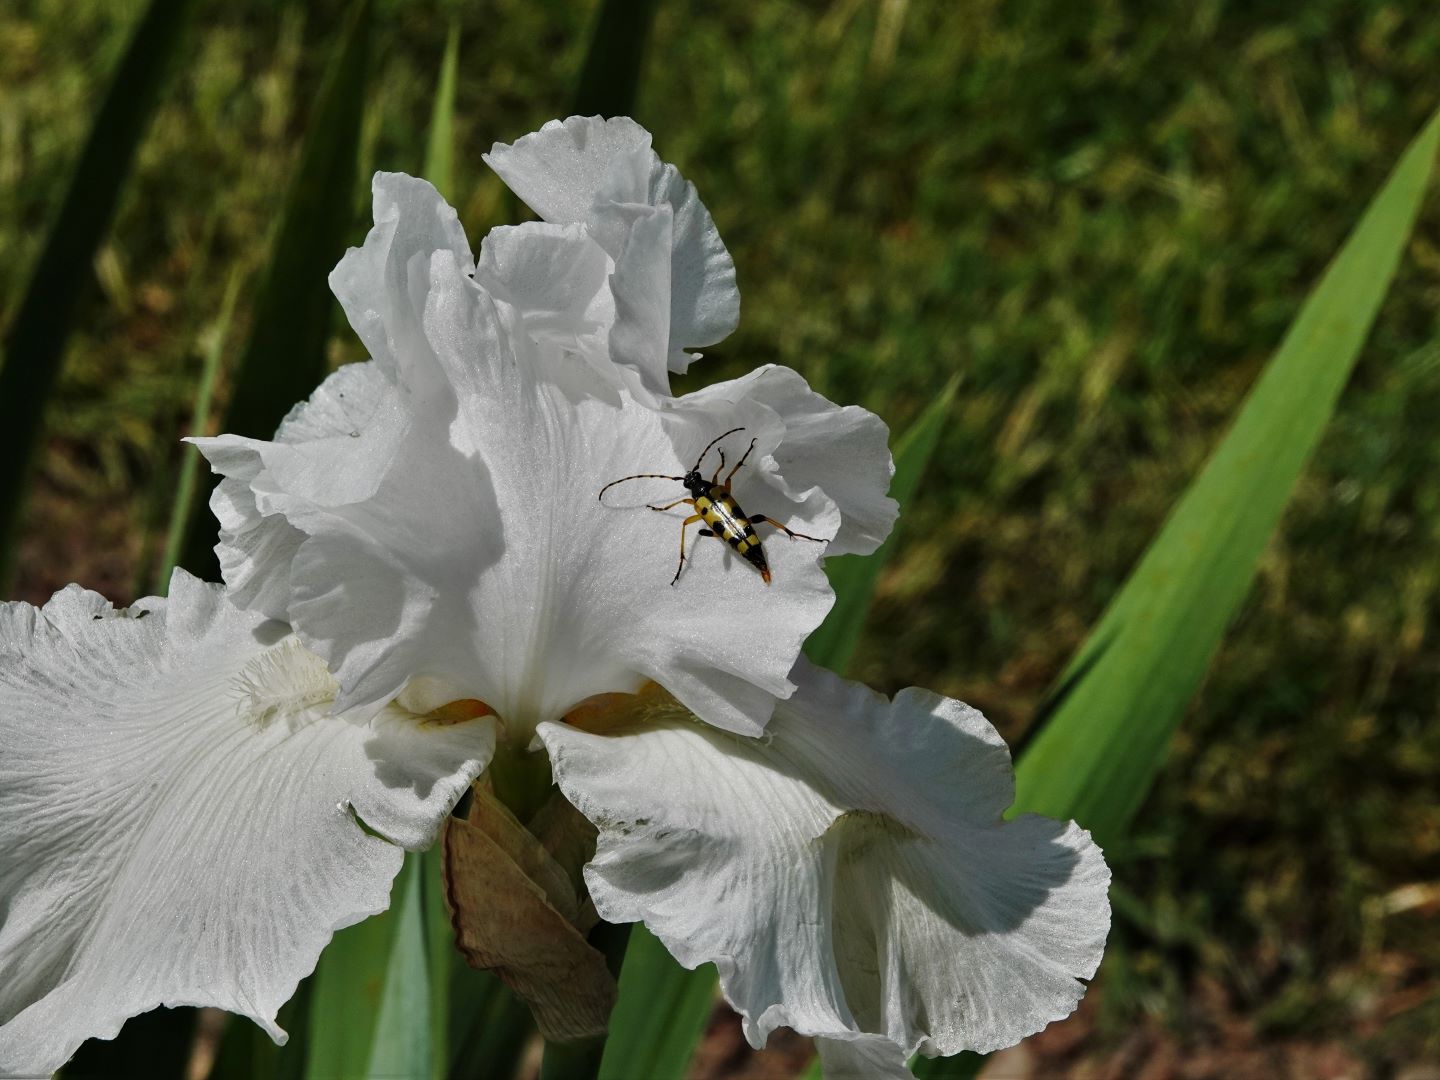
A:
(737, 465)
(677, 502)
(761, 519)
(683, 526)
(718, 467)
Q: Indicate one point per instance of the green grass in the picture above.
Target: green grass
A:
(1103, 222)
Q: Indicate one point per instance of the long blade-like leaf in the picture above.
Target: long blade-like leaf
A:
(284, 358)
(490, 1026)
(348, 992)
(661, 1013)
(183, 505)
(403, 1041)
(1107, 736)
(611, 75)
(409, 954)
(440, 146)
(35, 343)
(663, 1008)
(442, 959)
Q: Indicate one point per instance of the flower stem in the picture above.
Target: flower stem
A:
(580, 1060)
(521, 779)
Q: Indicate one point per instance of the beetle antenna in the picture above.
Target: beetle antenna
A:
(637, 476)
(713, 441)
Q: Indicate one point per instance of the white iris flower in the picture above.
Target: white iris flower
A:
(418, 566)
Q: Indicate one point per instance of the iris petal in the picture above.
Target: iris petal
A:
(674, 281)
(182, 816)
(849, 874)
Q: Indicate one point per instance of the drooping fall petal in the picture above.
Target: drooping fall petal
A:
(849, 872)
(182, 816)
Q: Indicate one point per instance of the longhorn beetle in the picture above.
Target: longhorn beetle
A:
(715, 506)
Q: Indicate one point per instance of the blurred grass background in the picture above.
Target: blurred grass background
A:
(1102, 216)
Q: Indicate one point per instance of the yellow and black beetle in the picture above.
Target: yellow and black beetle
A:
(715, 506)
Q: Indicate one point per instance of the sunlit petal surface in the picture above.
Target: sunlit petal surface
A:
(183, 820)
(672, 281)
(848, 872)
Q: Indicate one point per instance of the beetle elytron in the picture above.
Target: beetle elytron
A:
(717, 508)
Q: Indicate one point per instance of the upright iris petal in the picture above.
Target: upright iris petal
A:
(435, 512)
(671, 283)
(184, 820)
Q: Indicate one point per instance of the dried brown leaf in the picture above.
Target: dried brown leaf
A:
(502, 888)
